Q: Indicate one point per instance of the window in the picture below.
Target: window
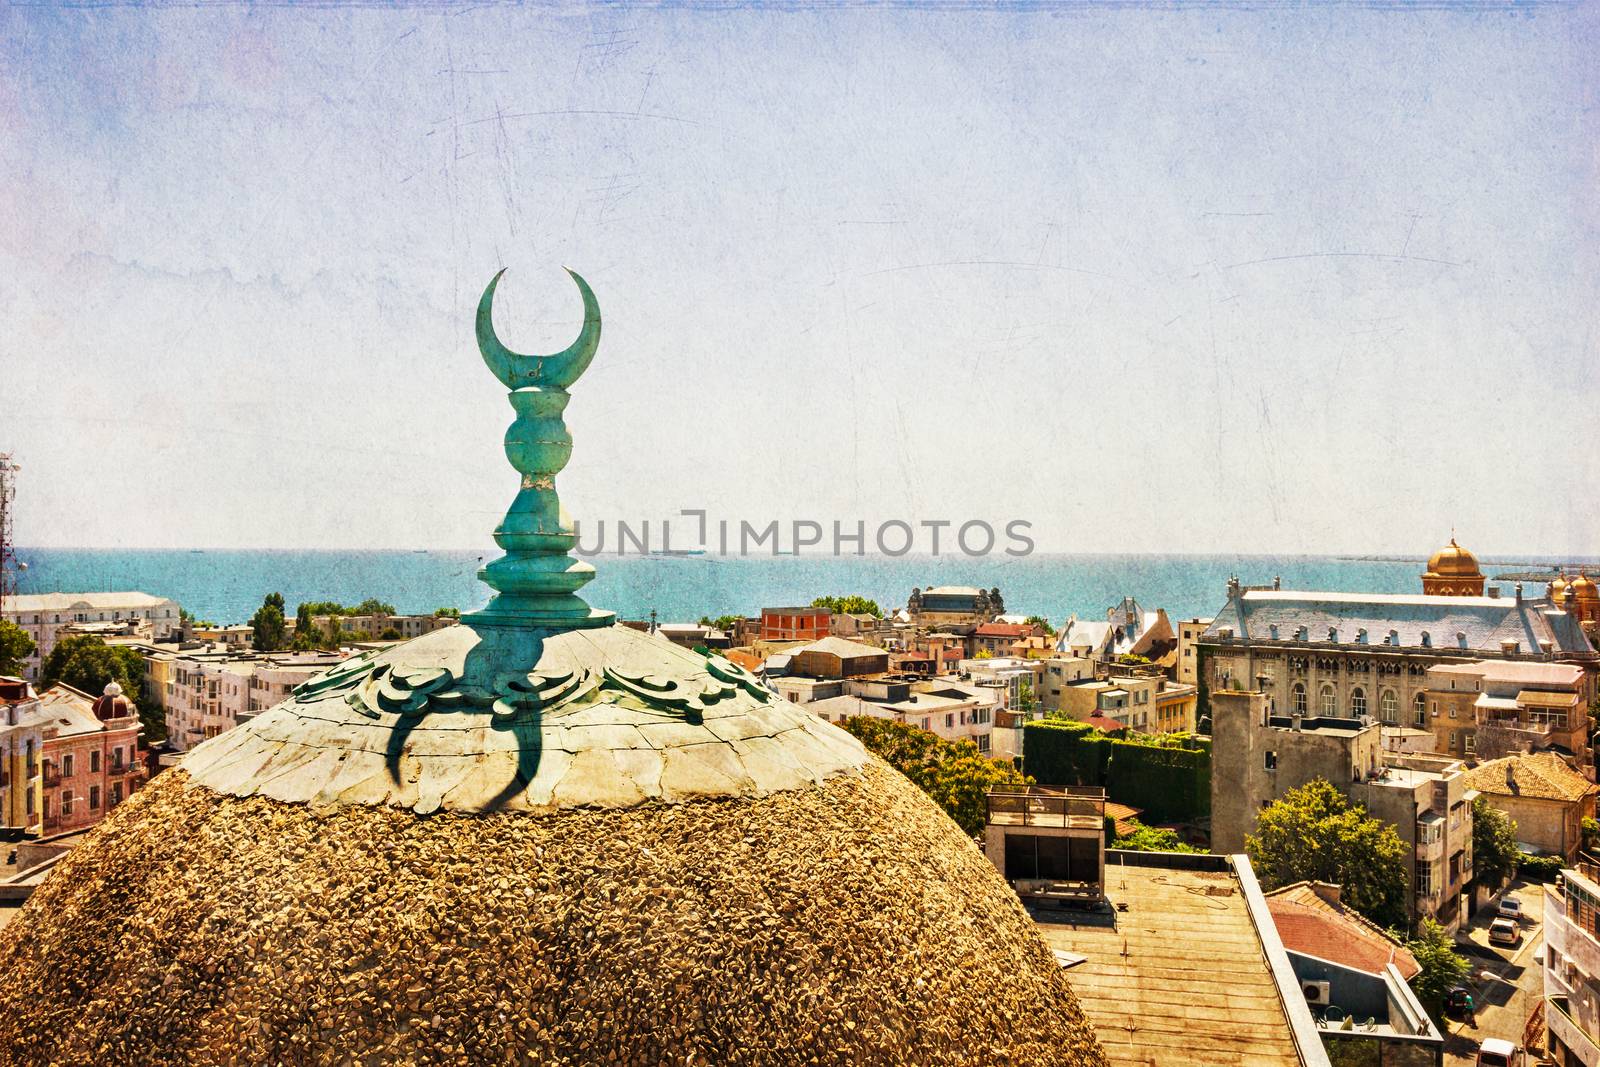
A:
(66, 765)
(1330, 702)
(94, 798)
(94, 759)
(1299, 699)
(116, 794)
(1420, 710)
(950, 722)
(1470, 742)
(1424, 879)
(1389, 707)
(1358, 703)
(1272, 761)
(66, 802)
(1452, 710)
(1453, 735)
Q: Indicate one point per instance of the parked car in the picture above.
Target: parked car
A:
(1495, 1052)
(1510, 908)
(1505, 932)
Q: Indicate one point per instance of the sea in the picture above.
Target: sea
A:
(226, 586)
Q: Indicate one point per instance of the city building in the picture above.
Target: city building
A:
(92, 757)
(238, 635)
(834, 657)
(1086, 639)
(1174, 957)
(1572, 967)
(1149, 703)
(1061, 673)
(383, 627)
(1354, 977)
(952, 710)
(944, 606)
(1188, 668)
(1351, 655)
(209, 689)
(1001, 638)
(43, 615)
(1547, 799)
(21, 742)
(1492, 708)
(1257, 756)
(795, 624)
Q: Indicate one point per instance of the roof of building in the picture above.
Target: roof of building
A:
(1103, 722)
(951, 590)
(797, 611)
(1537, 776)
(1522, 672)
(1486, 621)
(1003, 629)
(29, 602)
(1084, 633)
(70, 710)
(1182, 975)
(841, 647)
(1316, 926)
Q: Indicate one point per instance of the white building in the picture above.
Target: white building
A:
(42, 615)
(210, 690)
(1572, 967)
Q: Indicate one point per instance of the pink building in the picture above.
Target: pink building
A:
(92, 756)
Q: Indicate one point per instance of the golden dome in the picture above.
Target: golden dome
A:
(1558, 587)
(1454, 561)
(1583, 588)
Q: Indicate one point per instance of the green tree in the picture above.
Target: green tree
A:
(1494, 843)
(1590, 828)
(1442, 966)
(1152, 839)
(15, 647)
(849, 605)
(391, 634)
(371, 606)
(721, 622)
(271, 631)
(1043, 624)
(1026, 701)
(447, 613)
(1315, 833)
(88, 665)
(954, 774)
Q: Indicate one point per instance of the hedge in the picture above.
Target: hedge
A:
(1168, 779)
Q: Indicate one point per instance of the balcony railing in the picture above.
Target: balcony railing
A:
(1563, 1027)
(1072, 807)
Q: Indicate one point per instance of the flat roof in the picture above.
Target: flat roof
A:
(1214, 1002)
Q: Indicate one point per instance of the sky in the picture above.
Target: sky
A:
(1179, 279)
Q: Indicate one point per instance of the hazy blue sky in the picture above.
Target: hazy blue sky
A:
(1157, 280)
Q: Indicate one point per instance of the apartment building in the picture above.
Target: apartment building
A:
(1259, 755)
(42, 616)
(1572, 967)
(210, 689)
(92, 757)
(1490, 708)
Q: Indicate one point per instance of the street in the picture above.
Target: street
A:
(1506, 981)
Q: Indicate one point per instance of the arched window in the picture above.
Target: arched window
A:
(1330, 703)
(1420, 707)
(1358, 702)
(1389, 706)
(1299, 698)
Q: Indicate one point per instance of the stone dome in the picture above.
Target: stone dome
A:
(535, 836)
(1453, 561)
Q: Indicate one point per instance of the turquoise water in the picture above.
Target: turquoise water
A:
(227, 586)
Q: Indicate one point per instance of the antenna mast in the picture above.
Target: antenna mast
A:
(8, 493)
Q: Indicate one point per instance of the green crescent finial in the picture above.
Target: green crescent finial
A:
(536, 581)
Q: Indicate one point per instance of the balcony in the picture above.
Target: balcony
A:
(1058, 808)
(1564, 1028)
(52, 777)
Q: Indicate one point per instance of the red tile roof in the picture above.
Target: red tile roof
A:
(1004, 629)
(1310, 925)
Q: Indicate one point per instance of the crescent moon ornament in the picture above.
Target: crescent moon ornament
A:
(559, 371)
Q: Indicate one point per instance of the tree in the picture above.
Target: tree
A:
(953, 773)
(721, 622)
(1026, 701)
(371, 606)
(1442, 966)
(1042, 623)
(1590, 828)
(271, 631)
(15, 647)
(1314, 833)
(88, 665)
(1494, 843)
(391, 634)
(447, 613)
(1144, 838)
(849, 605)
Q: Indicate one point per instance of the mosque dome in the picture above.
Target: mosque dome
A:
(1453, 561)
(1558, 588)
(1583, 588)
(535, 836)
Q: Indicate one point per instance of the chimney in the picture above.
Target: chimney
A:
(1518, 588)
(1277, 581)
(1328, 891)
(1510, 646)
